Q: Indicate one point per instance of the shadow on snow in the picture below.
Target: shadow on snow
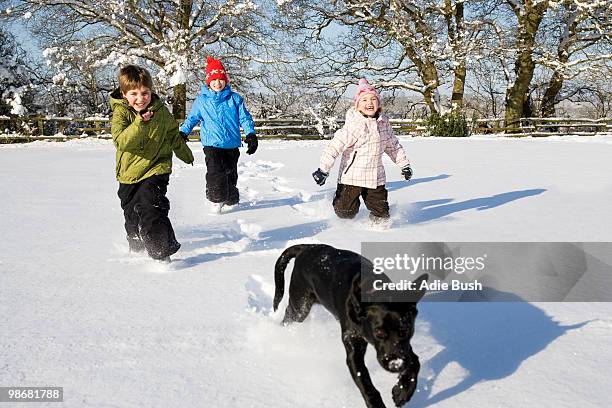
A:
(435, 209)
(396, 185)
(490, 340)
(271, 239)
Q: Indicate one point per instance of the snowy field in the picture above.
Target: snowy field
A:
(117, 330)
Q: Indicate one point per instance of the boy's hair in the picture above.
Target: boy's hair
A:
(132, 77)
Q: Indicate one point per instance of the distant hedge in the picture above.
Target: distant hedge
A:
(450, 124)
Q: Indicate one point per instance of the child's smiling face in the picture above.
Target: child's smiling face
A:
(368, 104)
(217, 85)
(138, 98)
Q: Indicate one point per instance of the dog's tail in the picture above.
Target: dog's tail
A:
(279, 271)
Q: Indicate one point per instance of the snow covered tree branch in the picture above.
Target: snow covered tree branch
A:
(422, 40)
(171, 36)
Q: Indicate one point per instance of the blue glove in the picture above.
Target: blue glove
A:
(320, 176)
(407, 172)
(251, 141)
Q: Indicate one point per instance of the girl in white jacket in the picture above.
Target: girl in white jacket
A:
(363, 139)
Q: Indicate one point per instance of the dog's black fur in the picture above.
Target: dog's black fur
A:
(332, 277)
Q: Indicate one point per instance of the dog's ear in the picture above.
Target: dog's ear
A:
(418, 295)
(353, 302)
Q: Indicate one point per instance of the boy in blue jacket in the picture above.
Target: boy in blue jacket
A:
(221, 113)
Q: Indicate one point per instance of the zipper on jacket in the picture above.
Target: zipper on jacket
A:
(142, 141)
(351, 163)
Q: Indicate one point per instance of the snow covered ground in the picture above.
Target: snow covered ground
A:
(117, 330)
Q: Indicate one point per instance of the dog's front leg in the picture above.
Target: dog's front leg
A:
(407, 383)
(355, 351)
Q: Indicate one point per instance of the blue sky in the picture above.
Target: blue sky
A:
(25, 40)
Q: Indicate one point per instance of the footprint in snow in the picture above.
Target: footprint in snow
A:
(251, 231)
(260, 294)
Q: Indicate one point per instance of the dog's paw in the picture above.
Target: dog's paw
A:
(402, 393)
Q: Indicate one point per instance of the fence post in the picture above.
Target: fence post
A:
(41, 127)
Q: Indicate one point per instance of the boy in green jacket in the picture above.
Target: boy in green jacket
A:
(145, 134)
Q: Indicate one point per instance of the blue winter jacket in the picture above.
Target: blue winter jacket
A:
(220, 114)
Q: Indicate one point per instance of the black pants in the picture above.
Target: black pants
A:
(346, 201)
(222, 175)
(145, 208)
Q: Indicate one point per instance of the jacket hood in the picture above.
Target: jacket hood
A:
(116, 99)
(216, 97)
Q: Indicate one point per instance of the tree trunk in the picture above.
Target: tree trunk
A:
(179, 101)
(429, 76)
(516, 96)
(431, 99)
(458, 86)
(456, 32)
(426, 69)
(549, 100)
(563, 54)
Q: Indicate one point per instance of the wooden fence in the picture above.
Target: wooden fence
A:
(21, 129)
(539, 127)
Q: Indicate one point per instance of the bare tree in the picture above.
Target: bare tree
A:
(593, 93)
(487, 87)
(574, 27)
(173, 36)
(15, 77)
(407, 44)
(529, 14)
(582, 33)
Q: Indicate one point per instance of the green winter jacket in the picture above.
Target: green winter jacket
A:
(144, 149)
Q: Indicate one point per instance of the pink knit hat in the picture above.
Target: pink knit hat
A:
(365, 88)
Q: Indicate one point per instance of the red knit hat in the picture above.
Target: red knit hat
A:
(215, 70)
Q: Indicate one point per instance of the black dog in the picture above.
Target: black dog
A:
(332, 277)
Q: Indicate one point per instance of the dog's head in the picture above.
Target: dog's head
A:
(389, 326)
(389, 329)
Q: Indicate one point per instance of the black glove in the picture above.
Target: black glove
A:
(407, 172)
(319, 177)
(251, 141)
(184, 136)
